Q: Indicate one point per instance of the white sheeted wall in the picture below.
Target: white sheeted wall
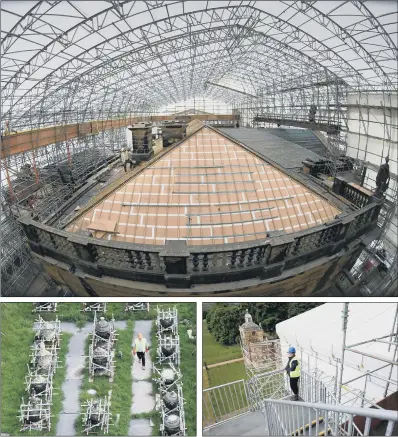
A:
(365, 122)
(320, 330)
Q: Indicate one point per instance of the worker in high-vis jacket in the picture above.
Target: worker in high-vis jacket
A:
(140, 347)
(293, 370)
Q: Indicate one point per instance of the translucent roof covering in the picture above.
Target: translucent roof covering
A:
(122, 56)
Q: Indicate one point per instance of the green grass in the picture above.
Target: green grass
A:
(226, 373)
(214, 352)
(16, 339)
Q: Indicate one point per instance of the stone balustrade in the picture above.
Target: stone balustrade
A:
(178, 265)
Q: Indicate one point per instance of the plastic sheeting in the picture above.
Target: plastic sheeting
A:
(318, 332)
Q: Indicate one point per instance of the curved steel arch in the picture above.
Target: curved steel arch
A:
(158, 75)
(242, 6)
(138, 60)
(179, 22)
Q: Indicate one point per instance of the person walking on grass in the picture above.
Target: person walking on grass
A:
(293, 370)
(140, 347)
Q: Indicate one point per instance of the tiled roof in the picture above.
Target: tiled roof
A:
(207, 190)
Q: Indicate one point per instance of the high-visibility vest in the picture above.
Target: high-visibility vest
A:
(140, 345)
(296, 372)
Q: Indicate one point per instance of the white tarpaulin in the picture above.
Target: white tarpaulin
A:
(317, 335)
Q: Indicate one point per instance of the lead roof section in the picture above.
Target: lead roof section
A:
(207, 190)
(285, 153)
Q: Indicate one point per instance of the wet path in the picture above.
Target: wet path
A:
(74, 363)
(75, 366)
(143, 398)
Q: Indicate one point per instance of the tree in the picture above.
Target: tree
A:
(296, 308)
(223, 320)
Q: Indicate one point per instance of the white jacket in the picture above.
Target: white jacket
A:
(124, 156)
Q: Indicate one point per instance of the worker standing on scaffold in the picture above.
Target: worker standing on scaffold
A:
(125, 158)
(293, 370)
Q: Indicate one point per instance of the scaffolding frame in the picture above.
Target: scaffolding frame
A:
(106, 352)
(168, 349)
(172, 420)
(100, 409)
(47, 393)
(136, 306)
(89, 307)
(41, 409)
(167, 321)
(36, 413)
(261, 356)
(44, 307)
(44, 328)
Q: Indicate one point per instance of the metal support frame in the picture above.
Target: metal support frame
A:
(101, 351)
(168, 377)
(48, 331)
(44, 307)
(97, 417)
(89, 307)
(136, 306)
(167, 321)
(35, 414)
(168, 349)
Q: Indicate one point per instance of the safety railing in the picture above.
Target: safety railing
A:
(316, 123)
(224, 402)
(291, 418)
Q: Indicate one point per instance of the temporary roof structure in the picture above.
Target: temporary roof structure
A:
(318, 337)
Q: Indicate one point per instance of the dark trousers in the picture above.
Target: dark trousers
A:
(128, 161)
(141, 356)
(294, 385)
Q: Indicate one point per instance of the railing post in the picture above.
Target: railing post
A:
(175, 256)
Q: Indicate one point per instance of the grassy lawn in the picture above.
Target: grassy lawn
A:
(214, 352)
(226, 373)
(17, 336)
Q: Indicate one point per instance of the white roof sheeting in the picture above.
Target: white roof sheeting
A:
(320, 331)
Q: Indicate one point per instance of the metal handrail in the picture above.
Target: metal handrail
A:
(337, 419)
(223, 385)
(372, 413)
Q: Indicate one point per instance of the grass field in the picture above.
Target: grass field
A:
(214, 352)
(226, 373)
(17, 338)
